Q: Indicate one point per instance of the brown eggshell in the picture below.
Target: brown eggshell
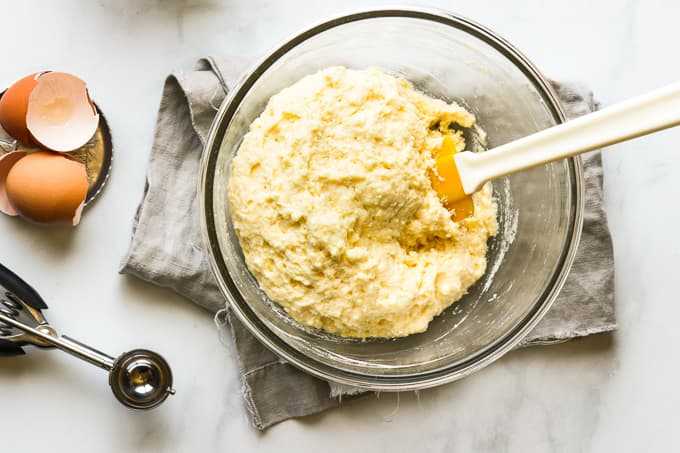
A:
(47, 187)
(6, 163)
(14, 106)
(60, 115)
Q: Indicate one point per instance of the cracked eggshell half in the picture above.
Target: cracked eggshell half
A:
(6, 163)
(60, 115)
(48, 188)
(14, 105)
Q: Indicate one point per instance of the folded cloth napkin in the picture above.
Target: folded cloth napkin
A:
(167, 249)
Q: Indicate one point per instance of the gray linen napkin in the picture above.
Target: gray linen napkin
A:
(167, 250)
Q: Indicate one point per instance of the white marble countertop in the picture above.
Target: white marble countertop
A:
(599, 394)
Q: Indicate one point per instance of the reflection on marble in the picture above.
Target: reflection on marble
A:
(598, 394)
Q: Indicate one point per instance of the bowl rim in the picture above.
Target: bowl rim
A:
(269, 338)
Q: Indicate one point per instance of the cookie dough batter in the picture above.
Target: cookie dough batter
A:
(331, 200)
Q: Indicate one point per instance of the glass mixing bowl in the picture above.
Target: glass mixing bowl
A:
(539, 211)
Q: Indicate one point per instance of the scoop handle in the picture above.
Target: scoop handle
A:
(12, 284)
(8, 349)
(641, 115)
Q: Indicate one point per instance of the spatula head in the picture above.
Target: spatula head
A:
(446, 182)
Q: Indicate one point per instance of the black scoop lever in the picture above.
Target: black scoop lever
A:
(13, 290)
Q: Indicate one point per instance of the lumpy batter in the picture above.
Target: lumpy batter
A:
(332, 203)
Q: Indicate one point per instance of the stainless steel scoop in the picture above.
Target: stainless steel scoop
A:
(140, 379)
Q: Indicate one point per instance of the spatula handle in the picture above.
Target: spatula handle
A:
(651, 112)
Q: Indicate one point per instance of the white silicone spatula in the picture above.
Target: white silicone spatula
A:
(461, 174)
